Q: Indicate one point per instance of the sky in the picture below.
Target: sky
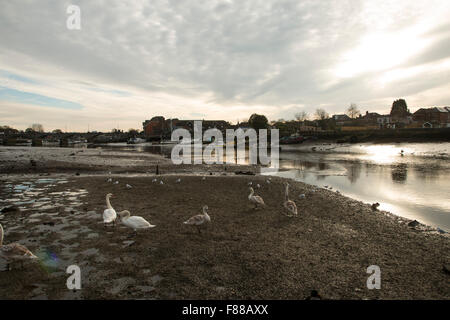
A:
(217, 59)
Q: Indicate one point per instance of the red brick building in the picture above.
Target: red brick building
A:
(437, 117)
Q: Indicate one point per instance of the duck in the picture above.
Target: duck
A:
(290, 205)
(14, 251)
(256, 200)
(134, 222)
(109, 215)
(200, 219)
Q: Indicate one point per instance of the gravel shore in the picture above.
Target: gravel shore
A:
(242, 254)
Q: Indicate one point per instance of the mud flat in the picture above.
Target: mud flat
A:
(243, 254)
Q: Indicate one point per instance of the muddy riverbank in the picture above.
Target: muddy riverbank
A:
(243, 254)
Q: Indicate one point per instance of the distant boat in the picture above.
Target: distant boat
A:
(135, 140)
(292, 139)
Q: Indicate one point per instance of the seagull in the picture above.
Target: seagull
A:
(268, 181)
(178, 180)
(250, 183)
(134, 222)
(14, 251)
(109, 215)
(116, 182)
(199, 219)
(109, 180)
(257, 200)
(128, 186)
(161, 182)
(154, 180)
(204, 178)
(258, 186)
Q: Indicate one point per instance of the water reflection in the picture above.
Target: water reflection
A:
(414, 183)
(399, 172)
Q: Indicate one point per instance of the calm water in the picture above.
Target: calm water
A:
(414, 183)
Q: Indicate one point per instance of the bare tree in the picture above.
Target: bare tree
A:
(301, 116)
(321, 114)
(353, 111)
(37, 127)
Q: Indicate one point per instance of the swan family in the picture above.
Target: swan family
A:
(17, 252)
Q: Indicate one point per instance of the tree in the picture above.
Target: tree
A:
(301, 116)
(353, 111)
(132, 131)
(399, 109)
(258, 121)
(57, 131)
(37, 127)
(321, 114)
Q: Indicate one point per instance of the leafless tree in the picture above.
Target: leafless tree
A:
(301, 116)
(37, 127)
(353, 111)
(321, 114)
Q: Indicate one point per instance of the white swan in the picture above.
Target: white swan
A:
(199, 219)
(256, 200)
(134, 222)
(109, 215)
(14, 251)
(290, 205)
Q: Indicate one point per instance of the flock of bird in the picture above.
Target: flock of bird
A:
(137, 222)
(17, 252)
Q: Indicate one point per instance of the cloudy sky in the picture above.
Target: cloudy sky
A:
(217, 59)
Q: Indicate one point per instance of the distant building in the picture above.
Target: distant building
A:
(437, 117)
(158, 126)
(341, 119)
(385, 122)
(155, 127)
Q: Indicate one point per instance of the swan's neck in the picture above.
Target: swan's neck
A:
(108, 204)
(1, 235)
(251, 193)
(206, 214)
(286, 193)
(127, 215)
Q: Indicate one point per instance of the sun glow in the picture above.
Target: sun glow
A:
(380, 51)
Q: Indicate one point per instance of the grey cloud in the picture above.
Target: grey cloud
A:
(272, 53)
